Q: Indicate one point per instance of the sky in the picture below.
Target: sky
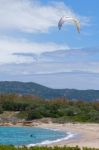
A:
(33, 49)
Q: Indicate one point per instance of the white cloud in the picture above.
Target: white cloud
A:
(9, 46)
(40, 68)
(32, 16)
(29, 16)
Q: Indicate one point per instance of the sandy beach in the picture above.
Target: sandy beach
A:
(88, 134)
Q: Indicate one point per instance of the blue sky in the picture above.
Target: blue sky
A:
(33, 49)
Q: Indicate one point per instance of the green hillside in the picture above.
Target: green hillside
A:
(31, 88)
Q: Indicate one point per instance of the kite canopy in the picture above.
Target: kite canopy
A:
(71, 20)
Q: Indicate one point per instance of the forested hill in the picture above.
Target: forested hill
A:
(45, 92)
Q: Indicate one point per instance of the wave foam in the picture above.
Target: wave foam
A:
(46, 142)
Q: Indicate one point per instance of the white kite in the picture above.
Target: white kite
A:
(71, 20)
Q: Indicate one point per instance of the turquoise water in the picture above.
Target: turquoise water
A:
(28, 135)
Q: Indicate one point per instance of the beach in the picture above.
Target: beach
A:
(81, 134)
(86, 134)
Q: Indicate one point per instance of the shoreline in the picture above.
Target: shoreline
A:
(86, 134)
(68, 136)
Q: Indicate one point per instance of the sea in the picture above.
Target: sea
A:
(31, 136)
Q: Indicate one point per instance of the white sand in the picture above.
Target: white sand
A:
(89, 134)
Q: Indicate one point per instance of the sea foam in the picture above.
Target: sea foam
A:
(69, 135)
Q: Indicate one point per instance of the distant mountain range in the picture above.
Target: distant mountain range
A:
(45, 92)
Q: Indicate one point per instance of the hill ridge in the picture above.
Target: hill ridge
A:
(31, 88)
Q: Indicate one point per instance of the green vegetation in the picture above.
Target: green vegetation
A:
(4, 147)
(61, 110)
